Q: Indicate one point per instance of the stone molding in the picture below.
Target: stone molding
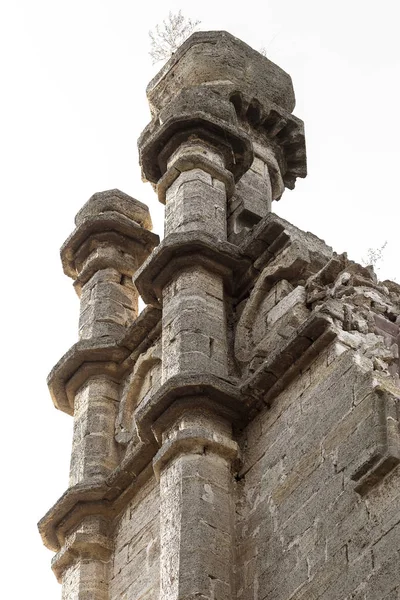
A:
(177, 252)
(92, 357)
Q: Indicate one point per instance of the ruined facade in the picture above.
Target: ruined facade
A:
(239, 438)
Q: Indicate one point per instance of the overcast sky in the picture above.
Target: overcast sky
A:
(73, 78)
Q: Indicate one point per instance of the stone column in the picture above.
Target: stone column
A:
(221, 146)
(194, 463)
(194, 321)
(101, 255)
(106, 248)
(194, 466)
(194, 162)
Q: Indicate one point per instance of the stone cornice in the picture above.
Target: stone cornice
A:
(194, 160)
(81, 545)
(92, 357)
(176, 252)
(105, 498)
(109, 224)
(158, 143)
(194, 441)
(281, 365)
(224, 397)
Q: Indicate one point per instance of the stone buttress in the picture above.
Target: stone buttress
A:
(239, 438)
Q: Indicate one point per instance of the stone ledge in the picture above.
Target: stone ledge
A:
(270, 238)
(225, 398)
(194, 441)
(104, 498)
(293, 355)
(108, 223)
(89, 357)
(176, 252)
(115, 201)
(268, 232)
(92, 357)
(380, 433)
(82, 545)
(81, 493)
(233, 142)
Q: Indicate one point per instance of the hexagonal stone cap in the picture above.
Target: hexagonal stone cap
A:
(115, 201)
(218, 57)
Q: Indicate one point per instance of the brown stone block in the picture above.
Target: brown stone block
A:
(115, 201)
(374, 443)
(221, 394)
(103, 224)
(176, 252)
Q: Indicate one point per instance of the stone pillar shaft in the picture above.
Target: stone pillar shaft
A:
(194, 324)
(94, 450)
(194, 321)
(196, 508)
(196, 202)
(111, 240)
(194, 462)
(86, 580)
(109, 303)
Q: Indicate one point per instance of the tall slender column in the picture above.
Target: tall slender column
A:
(194, 464)
(102, 254)
(194, 320)
(108, 245)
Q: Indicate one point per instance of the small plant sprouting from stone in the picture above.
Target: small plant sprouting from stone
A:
(374, 256)
(167, 37)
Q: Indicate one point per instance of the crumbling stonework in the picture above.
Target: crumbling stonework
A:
(239, 438)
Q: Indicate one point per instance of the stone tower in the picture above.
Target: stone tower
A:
(239, 438)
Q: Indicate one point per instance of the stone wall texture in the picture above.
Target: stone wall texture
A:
(238, 438)
(303, 531)
(135, 569)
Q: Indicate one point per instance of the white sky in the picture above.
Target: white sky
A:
(73, 78)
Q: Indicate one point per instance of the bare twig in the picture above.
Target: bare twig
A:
(374, 256)
(167, 38)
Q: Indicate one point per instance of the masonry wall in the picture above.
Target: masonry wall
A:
(303, 532)
(136, 565)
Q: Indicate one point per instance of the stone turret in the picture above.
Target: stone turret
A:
(239, 438)
(221, 91)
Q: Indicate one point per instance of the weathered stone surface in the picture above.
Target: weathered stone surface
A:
(105, 357)
(240, 438)
(300, 457)
(98, 229)
(115, 201)
(237, 62)
(176, 252)
(136, 566)
(208, 388)
(220, 90)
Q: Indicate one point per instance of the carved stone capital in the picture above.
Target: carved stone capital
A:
(218, 90)
(176, 252)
